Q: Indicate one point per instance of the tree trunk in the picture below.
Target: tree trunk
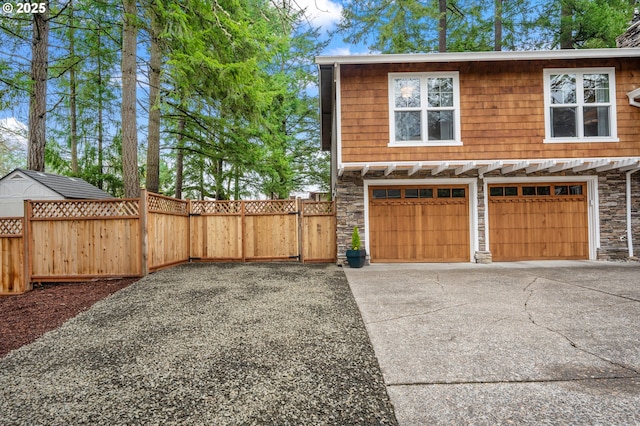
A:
(129, 123)
(38, 97)
(180, 158)
(73, 136)
(498, 27)
(153, 140)
(100, 114)
(442, 26)
(566, 24)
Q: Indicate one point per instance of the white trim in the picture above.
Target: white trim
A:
(336, 76)
(481, 56)
(579, 105)
(628, 196)
(473, 204)
(593, 211)
(485, 166)
(424, 109)
(633, 95)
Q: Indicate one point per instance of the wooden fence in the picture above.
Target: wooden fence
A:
(263, 231)
(12, 262)
(79, 240)
(167, 224)
(69, 240)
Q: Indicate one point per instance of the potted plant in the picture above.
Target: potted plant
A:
(357, 255)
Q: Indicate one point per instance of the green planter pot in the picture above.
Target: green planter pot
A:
(356, 258)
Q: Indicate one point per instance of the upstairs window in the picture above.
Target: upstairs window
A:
(424, 109)
(580, 105)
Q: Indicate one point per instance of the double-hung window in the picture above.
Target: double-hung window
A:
(580, 105)
(424, 109)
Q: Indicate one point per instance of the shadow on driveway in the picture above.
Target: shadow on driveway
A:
(520, 343)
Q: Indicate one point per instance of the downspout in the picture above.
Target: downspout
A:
(629, 230)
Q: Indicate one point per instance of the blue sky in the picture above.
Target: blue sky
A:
(326, 15)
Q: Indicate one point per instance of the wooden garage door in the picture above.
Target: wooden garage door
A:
(538, 221)
(419, 223)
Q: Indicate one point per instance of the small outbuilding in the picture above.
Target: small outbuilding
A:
(20, 185)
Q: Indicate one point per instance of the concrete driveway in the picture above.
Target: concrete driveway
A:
(507, 343)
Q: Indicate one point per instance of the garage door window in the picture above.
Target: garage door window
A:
(386, 193)
(537, 190)
(417, 193)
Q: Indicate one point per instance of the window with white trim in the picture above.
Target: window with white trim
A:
(424, 109)
(580, 105)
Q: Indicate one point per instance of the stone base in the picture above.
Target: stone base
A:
(483, 257)
(613, 254)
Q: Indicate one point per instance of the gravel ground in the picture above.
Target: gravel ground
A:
(205, 344)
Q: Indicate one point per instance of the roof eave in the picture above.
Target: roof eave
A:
(480, 56)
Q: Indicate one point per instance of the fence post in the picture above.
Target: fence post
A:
(26, 242)
(243, 228)
(300, 230)
(144, 234)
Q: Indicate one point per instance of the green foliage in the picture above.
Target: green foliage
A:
(355, 239)
(406, 26)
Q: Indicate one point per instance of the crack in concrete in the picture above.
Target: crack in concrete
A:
(416, 314)
(564, 336)
(506, 382)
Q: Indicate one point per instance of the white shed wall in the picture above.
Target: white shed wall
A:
(17, 188)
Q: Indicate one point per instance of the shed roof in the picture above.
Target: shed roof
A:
(68, 187)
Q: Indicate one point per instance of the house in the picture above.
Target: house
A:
(465, 157)
(20, 185)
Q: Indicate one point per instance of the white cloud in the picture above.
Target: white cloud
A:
(14, 133)
(347, 50)
(322, 13)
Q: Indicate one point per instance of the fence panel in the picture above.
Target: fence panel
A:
(216, 230)
(244, 230)
(77, 240)
(319, 231)
(12, 261)
(168, 231)
(271, 230)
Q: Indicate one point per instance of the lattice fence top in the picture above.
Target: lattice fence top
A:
(271, 206)
(312, 208)
(84, 209)
(10, 226)
(161, 204)
(216, 207)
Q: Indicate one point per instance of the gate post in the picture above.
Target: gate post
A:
(144, 234)
(300, 206)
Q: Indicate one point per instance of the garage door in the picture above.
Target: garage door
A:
(538, 221)
(419, 223)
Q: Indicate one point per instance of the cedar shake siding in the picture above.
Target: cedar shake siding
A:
(502, 112)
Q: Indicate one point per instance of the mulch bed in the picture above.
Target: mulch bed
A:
(28, 316)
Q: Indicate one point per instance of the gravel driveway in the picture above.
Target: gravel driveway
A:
(205, 344)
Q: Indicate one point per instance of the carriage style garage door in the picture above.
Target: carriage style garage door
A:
(419, 223)
(538, 221)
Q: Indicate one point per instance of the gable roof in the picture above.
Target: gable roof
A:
(68, 187)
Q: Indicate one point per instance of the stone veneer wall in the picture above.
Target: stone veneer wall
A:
(635, 213)
(612, 194)
(613, 216)
(349, 199)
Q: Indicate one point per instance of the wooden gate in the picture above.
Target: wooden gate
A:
(262, 231)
